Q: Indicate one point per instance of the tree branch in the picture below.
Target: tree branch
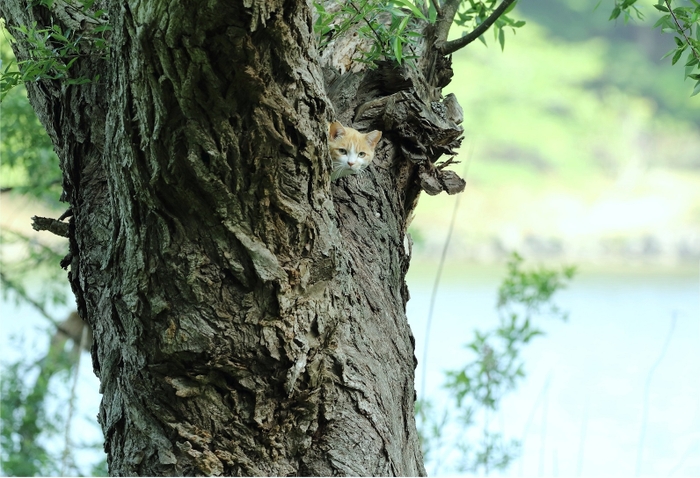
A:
(446, 16)
(7, 282)
(68, 213)
(436, 4)
(48, 224)
(446, 47)
(682, 30)
(361, 15)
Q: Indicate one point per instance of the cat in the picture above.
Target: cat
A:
(351, 151)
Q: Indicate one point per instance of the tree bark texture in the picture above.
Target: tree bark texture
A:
(248, 315)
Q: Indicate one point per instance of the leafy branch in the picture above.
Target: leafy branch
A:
(478, 10)
(684, 22)
(36, 258)
(55, 50)
(477, 16)
(687, 26)
(387, 26)
(478, 387)
(623, 8)
(27, 421)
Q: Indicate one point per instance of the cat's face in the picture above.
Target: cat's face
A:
(351, 151)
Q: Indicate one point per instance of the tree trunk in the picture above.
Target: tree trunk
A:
(248, 315)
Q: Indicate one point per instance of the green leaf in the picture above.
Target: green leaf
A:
(410, 5)
(398, 49)
(697, 89)
(432, 13)
(501, 39)
(510, 7)
(676, 56)
(661, 8)
(59, 37)
(615, 13)
(402, 26)
(681, 12)
(78, 81)
(103, 28)
(664, 20)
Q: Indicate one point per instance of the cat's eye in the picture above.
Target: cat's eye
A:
(362, 154)
(342, 151)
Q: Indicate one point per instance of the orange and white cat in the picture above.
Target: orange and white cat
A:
(351, 151)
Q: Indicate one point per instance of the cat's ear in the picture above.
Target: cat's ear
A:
(336, 130)
(373, 137)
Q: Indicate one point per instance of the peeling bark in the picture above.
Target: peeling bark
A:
(248, 316)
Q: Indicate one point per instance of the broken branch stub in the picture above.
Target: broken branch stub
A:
(434, 180)
(426, 131)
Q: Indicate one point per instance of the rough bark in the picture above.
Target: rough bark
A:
(248, 316)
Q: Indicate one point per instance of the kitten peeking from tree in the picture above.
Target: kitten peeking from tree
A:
(351, 151)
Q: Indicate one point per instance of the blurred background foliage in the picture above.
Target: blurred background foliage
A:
(36, 397)
(30, 181)
(585, 144)
(29, 164)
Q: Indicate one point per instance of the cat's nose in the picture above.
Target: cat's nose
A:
(350, 162)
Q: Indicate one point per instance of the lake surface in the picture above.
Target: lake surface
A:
(579, 411)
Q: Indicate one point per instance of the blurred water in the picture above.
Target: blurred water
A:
(22, 324)
(579, 410)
